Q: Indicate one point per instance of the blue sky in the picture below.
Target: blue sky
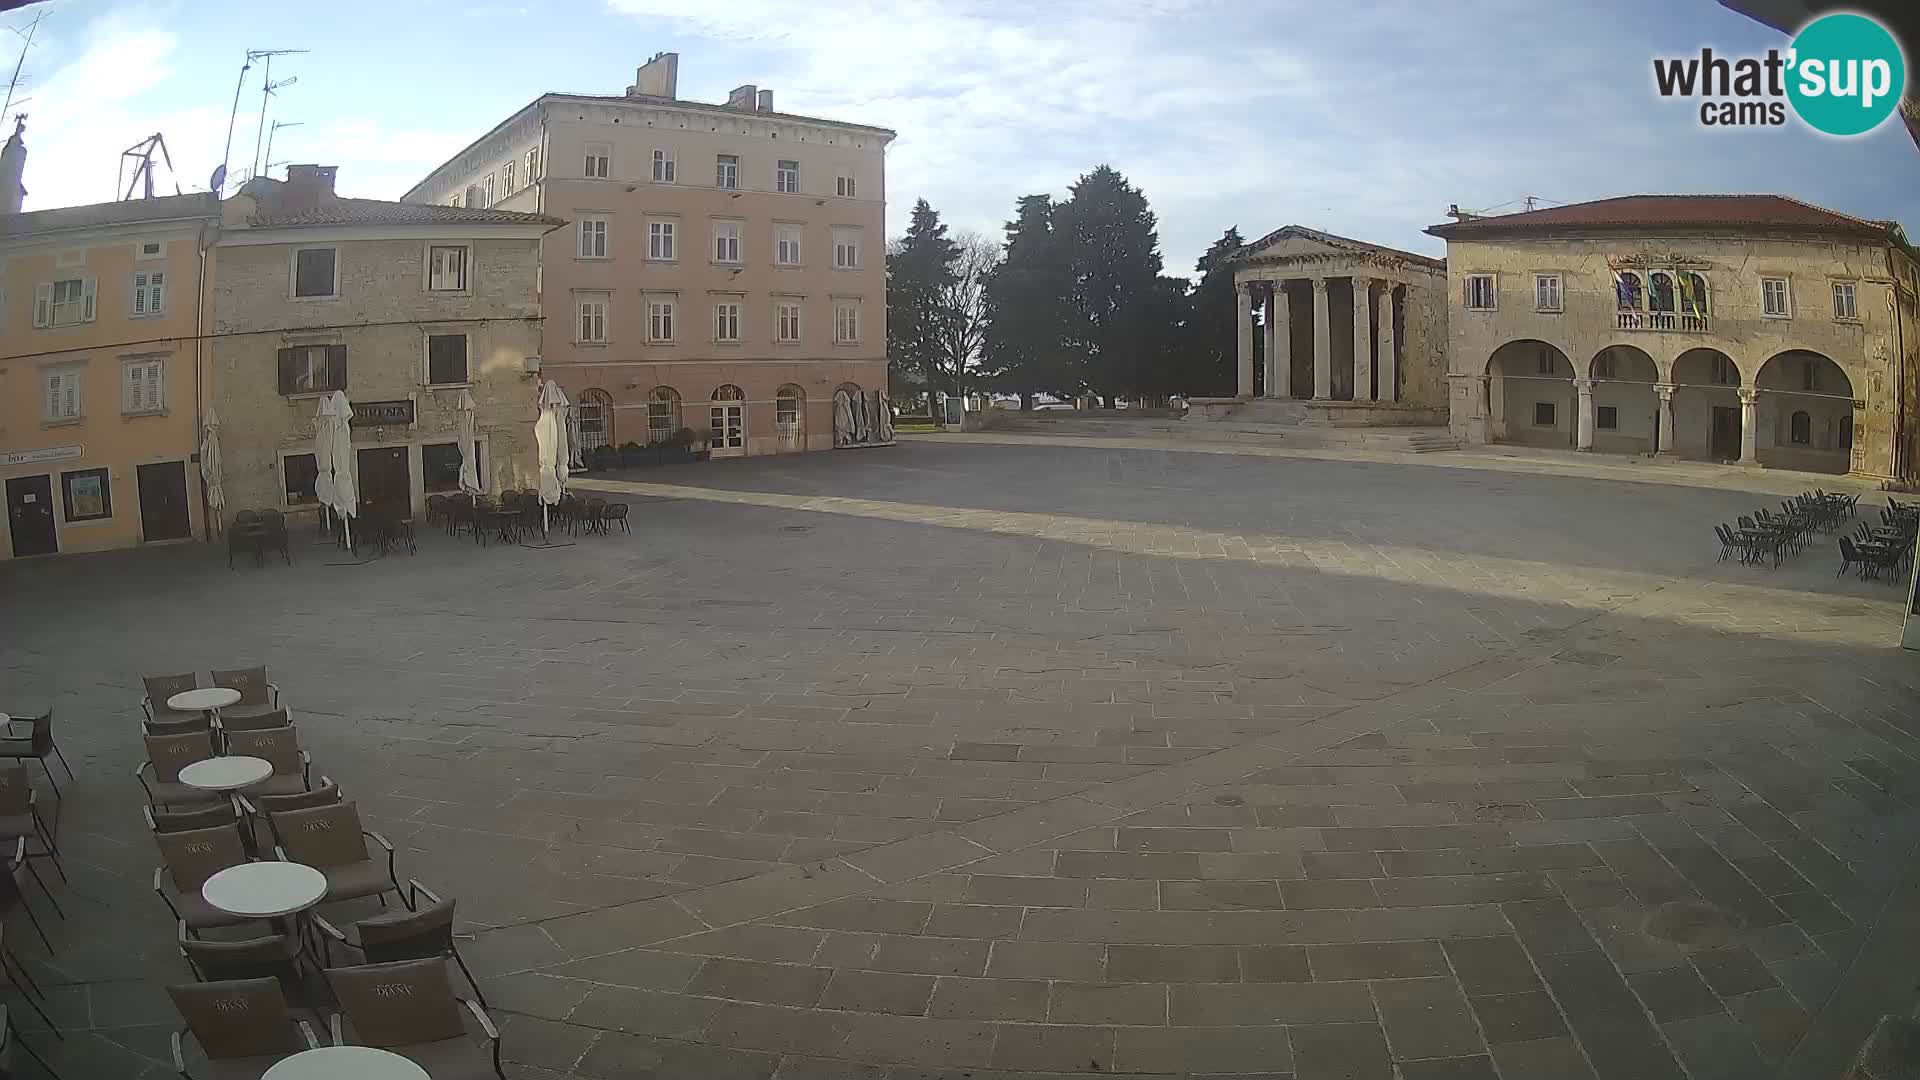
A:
(1365, 118)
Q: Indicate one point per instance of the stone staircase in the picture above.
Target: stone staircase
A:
(1405, 440)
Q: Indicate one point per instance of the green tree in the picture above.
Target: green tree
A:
(1210, 352)
(1025, 300)
(919, 271)
(1112, 254)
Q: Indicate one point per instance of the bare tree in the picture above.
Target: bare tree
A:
(963, 313)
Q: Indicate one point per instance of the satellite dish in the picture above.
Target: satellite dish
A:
(218, 180)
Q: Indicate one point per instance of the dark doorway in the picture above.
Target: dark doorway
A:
(1723, 442)
(386, 485)
(30, 515)
(163, 502)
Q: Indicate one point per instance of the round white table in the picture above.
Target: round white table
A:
(207, 699)
(226, 773)
(338, 1062)
(265, 890)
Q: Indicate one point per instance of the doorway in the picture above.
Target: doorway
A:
(729, 429)
(386, 484)
(1723, 440)
(30, 515)
(163, 502)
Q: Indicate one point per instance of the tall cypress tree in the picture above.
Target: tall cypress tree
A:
(1025, 304)
(1112, 251)
(919, 270)
(1211, 352)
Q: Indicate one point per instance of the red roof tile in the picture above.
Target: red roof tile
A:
(1643, 211)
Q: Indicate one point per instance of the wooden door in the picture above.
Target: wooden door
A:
(386, 484)
(1723, 441)
(30, 515)
(163, 502)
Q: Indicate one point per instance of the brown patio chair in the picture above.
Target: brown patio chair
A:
(160, 688)
(419, 934)
(275, 956)
(189, 859)
(37, 742)
(260, 808)
(330, 839)
(20, 818)
(11, 895)
(242, 1025)
(257, 693)
(182, 726)
(281, 747)
(166, 756)
(9, 1035)
(272, 718)
(212, 817)
(409, 1008)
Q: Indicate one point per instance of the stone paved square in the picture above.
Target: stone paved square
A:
(1001, 760)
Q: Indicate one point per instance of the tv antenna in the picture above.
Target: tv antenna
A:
(267, 87)
(142, 155)
(13, 85)
(267, 162)
(219, 179)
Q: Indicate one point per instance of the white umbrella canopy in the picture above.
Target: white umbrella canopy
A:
(574, 460)
(469, 467)
(550, 434)
(346, 489)
(210, 479)
(323, 453)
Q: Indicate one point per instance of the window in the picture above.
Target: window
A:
(726, 241)
(846, 249)
(312, 369)
(507, 177)
(1724, 373)
(843, 186)
(64, 399)
(149, 292)
(446, 359)
(593, 317)
(1543, 362)
(88, 495)
(1809, 375)
(63, 303)
(660, 240)
(1846, 432)
(1660, 292)
(1626, 290)
(1801, 428)
(1693, 293)
(141, 386)
(786, 245)
(788, 319)
(533, 165)
(599, 165)
(846, 323)
(152, 249)
(315, 272)
(486, 190)
(1604, 366)
(786, 408)
(1546, 292)
(726, 322)
(659, 320)
(455, 200)
(726, 171)
(1773, 298)
(1606, 418)
(473, 195)
(663, 166)
(1843, 305)
(440, 467)
(299, 472)
(593, 237)
(786, 176)
(446, 268)
(594, 410)
(663, 414)
(1543, 414)
(1480, 294)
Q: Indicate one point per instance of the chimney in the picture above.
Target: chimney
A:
(13, 166)
(743, 97)
(766, 101)
(308, 185)
(658, 77)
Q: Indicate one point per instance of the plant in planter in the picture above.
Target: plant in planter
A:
(694, 441)
(631, 455)
(604, 458)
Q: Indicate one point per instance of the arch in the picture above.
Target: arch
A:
(1705, 366)
(1530, 395)
(1623, 363)
(594, 411)
(1707, 410)
(790, 417)
(1804, 412)
(729, 392)
(727, 422)
(1626, 410)
(663, 414)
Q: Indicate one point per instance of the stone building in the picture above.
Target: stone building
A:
(406, 308)
(1751, 328)
(1351, 332)
(100, 370)
(726, 267)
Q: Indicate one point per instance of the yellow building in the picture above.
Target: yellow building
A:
(100, 371)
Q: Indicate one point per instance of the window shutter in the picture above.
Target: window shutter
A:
(156, 284)
(130, 396)
(336, 367)
(53, 395)
(43, 304)
(153, 385)
(286, 371)
(86, 313)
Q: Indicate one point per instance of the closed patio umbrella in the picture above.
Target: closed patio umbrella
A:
(210, 464)
(574, 458)
(346, 491)
(550, 436)
(469, 467)
(323, 455)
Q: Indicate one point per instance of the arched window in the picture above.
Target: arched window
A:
(1802, 425)
(1693, 293)
(663, 414)
(595, 412)
(1660, 291)
(728, 421)
(789, 403)
(1604, 366)
(729, 392)
(1626, 290)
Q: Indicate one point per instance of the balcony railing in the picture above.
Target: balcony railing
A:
(1672, 322)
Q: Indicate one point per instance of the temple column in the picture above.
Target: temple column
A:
(1322, 343)
(1389, 365)
(1749, 425)
(1279, 337)
(1583, 431)
(1362, 339)
(1665, 393)
(1243, 311)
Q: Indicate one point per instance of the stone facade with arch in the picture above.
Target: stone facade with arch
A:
(1747, 328)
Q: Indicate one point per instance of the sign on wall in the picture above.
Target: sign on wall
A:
(382, 413)
(35, 457)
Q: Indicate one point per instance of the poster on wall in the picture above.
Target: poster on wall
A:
(87, 496)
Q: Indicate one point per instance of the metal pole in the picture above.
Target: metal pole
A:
(266, 90)
(226, 153)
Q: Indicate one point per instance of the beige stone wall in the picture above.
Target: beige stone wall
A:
(1423, 354)
(381, 283)
(1865, 349)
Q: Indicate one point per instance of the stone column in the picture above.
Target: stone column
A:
(1362, 339)
(1279, 336)
(1665, 393)
(1749, 423)
(1322, 343)
(1389, 365)
(1583, 432)
(1243, 311)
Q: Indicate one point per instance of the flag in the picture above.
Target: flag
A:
(1686, 292)
(1627, 288)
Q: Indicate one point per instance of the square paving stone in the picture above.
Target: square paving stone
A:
(752, 980)
(1732, 971)
(1274, 963)
(1491, 965)
(1340, 1052)
(1107, 1003)
(1053, 1046)
(878, 991)
(1205, 1049)
(1674, 994)
(1714, 1047)
(1173, 963)
(1380, 960)
(1426, 1018)
(1460, 1068)
(989, 999)
(1523, 1017)
(1544, 1059)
